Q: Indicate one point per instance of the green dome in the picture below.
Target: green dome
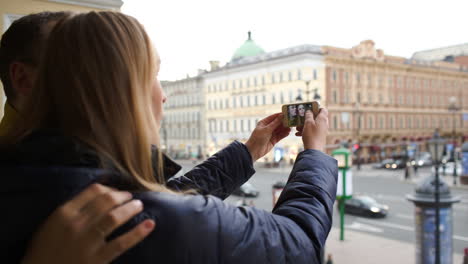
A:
(248, 49)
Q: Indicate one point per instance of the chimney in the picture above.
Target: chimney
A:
(214, 65)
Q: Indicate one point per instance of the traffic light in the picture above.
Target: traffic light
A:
(356, 147)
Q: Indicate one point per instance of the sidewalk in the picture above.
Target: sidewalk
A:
(361, 248)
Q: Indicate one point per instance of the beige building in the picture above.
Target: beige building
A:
(398, 101)
(182, 134)
(12, 10)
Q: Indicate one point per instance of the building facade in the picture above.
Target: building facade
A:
(398, 101)
(383, 103)
(12, 10)
(182, 134)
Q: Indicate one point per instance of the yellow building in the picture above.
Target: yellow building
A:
(14, 9)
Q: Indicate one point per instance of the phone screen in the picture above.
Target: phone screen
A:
(294, 114)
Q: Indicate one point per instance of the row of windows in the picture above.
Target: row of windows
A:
(406, 99)
(255, 100)
(182, 117)
(183, 100)
(407, 122)
(395, 81)
(236, 125)
(175, 86)
(183, 133)
(272, 78)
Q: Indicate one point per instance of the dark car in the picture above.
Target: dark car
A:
(386, 163)
(246, 190)
(365, 206)
(396, 164)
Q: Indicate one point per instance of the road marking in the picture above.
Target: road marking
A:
(402, 227)
(404, 216)
(364, 227)
(460, 238)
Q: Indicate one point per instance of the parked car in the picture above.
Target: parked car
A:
(423, 159)
(246, 190)
(396, 164)
(365, 206)
(386, 163)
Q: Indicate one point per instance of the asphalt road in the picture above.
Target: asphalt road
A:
(387, 187)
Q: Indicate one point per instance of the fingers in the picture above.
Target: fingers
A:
(89, 194)
(267, 120)
(275, 123)
(121, 244)
(102, 204)
(280, 133)
(118, 217)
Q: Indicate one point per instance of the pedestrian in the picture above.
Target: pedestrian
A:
(329, 259)
(94, 116)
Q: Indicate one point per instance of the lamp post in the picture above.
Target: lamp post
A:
(454, 109)
(436, 147)
(307, 82)
(357, 113)
(317, 97)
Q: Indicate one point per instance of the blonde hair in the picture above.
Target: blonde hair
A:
(95, 84)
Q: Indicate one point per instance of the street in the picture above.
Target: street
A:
(387, 187)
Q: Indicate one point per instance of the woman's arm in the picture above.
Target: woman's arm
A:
(231, 167)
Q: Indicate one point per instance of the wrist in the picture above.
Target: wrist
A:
(251, 151)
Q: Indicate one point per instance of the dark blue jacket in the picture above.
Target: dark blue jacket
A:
(44, 171)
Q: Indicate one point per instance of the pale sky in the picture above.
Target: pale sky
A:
(189, 33)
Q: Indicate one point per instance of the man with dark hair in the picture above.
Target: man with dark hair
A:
(21, 47)
(20, 50)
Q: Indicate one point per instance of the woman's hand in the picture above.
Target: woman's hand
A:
(314, 132)
(266, 134)
(76, 232)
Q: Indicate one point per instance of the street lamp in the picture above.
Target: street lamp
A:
(357, 113)
(454, 109)
(307, 82)
(317, 97)
(436, 147)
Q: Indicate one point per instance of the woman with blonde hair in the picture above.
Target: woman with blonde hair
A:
(94, 116)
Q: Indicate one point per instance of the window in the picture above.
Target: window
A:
(358, 97)
(369, 79)
(358, 78)
(273, 99)
(391, 123)
(369, 98)
(299, 75)
(248, 82)
(289, 76)
(233, 84)
(264, 99)
(227, 125)
(248, 100)
(346, 77)
(380, 98)
(255, 81)
(248, 124)
(256, 100)
(241, 101)
(241, 84)
(281, 98)
(272, 78)
(371, 125)
(234, 105)
(242, 125)
(226, 103)
(263, 80)
(281, 77)
(291, 99)
(334, 97)
(234, 122)
(334, 75)
(315, 74)
(335, 122)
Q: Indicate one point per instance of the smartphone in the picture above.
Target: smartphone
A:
(294, 114)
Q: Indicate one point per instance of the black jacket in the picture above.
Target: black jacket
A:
(46, 170)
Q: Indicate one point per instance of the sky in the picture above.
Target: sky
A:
(188, 33)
